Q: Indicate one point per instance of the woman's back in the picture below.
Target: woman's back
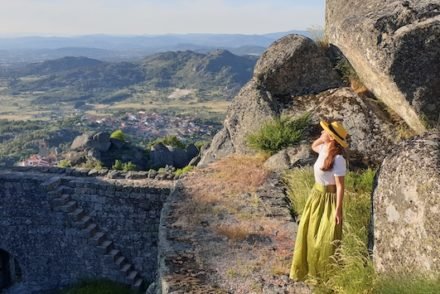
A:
(328, 177)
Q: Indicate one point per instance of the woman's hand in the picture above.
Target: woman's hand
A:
(338, 217)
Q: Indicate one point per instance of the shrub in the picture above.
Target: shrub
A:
(118, 135)
(170, 140)
(118, 165)
(92, 164)
(184, 170)
(279, 133)
(98, 287)
(64, 163)
(128, 166)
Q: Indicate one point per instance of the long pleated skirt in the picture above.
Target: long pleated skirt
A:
(318, 235)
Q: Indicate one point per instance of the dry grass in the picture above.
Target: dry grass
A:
(226, 178)
(246, 248)
(235, 232)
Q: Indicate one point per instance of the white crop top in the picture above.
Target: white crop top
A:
(328, 177)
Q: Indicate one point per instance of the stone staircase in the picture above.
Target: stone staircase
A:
(62, 201)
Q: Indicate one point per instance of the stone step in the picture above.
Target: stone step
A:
(77, 214)
(133, 275)
(126, 268)
(106, 246)
(138, 284)
(120, 260)
(61, 200)
(70, 206)
(84, 222)
(99, 237)
(91, 229)
(115, 254)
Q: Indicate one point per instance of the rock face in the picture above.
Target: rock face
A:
(99, 146)
(394, 46)
(372, 131)
(293, 65)
(162, 155)
(406, 203)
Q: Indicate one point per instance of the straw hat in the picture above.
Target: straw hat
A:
(337, 131)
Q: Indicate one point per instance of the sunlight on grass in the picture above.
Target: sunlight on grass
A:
(352, 271)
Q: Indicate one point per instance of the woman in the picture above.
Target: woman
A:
(320, 227)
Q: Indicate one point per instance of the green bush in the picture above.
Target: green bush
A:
(118, 135)
(97, 287)
(128, 166)
(184, 170)
(170, 140)
(118, 165)
(279, 133)
(200, 144)
(64, 163)
(92, 164)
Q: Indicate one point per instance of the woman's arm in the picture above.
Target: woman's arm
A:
(340, 185)
(316, 143)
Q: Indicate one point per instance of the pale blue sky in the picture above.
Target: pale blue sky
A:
(136, 17)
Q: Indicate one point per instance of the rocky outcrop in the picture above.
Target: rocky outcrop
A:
(406, 203)
(372, 130)
(100, 147)
(293, 65)
(162, 155)
(394, 46)
(290, 157)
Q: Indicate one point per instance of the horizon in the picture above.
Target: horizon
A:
(63, 18)
(24, 35)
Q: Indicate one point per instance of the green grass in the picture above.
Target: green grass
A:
(97, 287)
(354, 272)
(184, 170)
(279, 133)
(405, 283)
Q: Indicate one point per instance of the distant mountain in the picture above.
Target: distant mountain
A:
(76, 79)
(119, 48)
(109, 42)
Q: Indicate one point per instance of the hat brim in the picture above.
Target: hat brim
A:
(324, 125)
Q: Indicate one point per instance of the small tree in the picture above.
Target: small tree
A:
(118, 165)
(118, 135)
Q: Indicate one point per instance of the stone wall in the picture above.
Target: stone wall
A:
(62, 229)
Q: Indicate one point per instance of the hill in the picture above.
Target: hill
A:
(74, 79)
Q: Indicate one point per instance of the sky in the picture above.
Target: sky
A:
(153, 17)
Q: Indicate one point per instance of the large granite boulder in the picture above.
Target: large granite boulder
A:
(406, 206)
(162, 155)
(99, 141)
(293, 65)
(100, 147)
(394, 46)
(373, 132)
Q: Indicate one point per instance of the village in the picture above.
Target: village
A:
(141, 127)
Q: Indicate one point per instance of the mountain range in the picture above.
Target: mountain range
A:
(73, 79)
(108, 47)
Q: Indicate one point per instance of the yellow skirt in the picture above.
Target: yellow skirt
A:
(318, 235)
